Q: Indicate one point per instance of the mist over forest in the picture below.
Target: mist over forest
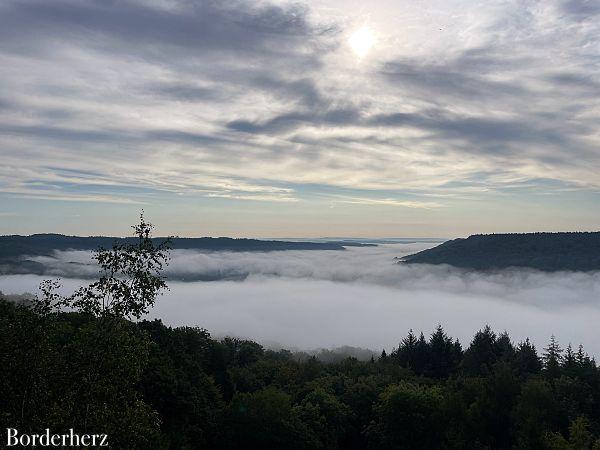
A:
(359, 297)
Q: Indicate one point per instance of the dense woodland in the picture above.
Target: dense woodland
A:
(99, 369)
(541, 251)
(151, 386)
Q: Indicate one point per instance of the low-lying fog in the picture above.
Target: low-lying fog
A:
(358, 297)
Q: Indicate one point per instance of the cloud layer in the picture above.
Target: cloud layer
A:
(359, 297)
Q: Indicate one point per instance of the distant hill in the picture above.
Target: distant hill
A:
(16, 250)
(542, 251)
(45, 244)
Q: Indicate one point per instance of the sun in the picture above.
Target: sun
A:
(361, 41)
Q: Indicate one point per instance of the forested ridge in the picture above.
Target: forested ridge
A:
(18, 253)
(14, 246)
(99, 368)
(541, 251)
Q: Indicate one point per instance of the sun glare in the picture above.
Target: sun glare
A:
(361, 41)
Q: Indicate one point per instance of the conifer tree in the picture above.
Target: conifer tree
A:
(526, 359)
(552, 359)
(442, 360)
(482, 352)
(407, 350)
(421, 362)
(504, 346)
(569, 362)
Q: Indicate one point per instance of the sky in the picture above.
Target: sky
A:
(320, 118)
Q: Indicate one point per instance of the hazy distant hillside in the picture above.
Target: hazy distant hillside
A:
(542, 251)
(15, 250)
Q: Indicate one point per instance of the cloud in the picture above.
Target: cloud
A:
(369, 265)
(202, 26)
(442, 81)
(255, 197)
(79, 115)
(475, 130)
(317, 313)
(183, 92)
(390, 201)
(291, 121)
(358, 297)
(376, 266)
(160, 99)
(584, 9)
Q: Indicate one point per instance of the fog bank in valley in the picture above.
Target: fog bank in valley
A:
(358, 297)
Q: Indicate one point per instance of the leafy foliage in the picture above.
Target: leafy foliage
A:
(130, 280)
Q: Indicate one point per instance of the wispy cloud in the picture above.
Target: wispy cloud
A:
(390, 202)
(257, 197)
(178, 97)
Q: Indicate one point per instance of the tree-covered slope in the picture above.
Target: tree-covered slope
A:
(17, 253)
(44, 244)
(542, 251)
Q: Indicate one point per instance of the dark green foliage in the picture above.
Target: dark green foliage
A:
(438, 358)
(483, 352)
(542, 251)
(73, 371)
(130, 277)
(444, 354)
(536, 414)
(81, 370)
(152, 386)
(178, 383)
(266, 419)
(490, 413)
(526, 360)
(326, 416)
(129, 281)
(408, 416)
(552, 359)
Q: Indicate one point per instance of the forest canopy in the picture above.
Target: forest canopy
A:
(541, 251)
(148, 386)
